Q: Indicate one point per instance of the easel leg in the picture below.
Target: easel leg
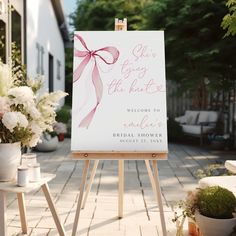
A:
(158, 193)
(3, 214)
(48, 197)
(150, 174)
(84, 176)
(89, 185)
(21, 204)
(121, 188)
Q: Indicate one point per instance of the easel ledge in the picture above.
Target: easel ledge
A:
(119, 155)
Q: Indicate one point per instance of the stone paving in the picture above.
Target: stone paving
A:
(141, 216)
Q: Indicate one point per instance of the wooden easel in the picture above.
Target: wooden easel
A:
(152, 172)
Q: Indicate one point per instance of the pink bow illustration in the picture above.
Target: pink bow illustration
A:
(97, 82)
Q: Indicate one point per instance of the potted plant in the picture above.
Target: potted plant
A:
(210, 212)
(48, 142)
(24, 115)
(219, 142)
(60, 129)
(188, 208)
(64, 116)
(215, 211)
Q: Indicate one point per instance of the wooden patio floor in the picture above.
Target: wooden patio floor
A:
(141, 215)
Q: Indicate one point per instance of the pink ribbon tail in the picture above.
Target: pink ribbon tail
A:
(96, 79)
(88, 118)
(79, 70)
(97, 82)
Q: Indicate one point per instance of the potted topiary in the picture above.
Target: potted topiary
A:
(189, 207)
(211, 208)
(215, 208)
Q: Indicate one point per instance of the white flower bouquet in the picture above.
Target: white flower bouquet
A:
(24, 113)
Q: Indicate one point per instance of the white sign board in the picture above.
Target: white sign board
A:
(119, 92)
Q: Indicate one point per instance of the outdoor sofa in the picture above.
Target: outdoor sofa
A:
(198, 123)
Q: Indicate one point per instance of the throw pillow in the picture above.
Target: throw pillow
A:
(192, 117)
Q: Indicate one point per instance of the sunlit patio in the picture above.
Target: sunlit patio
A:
(141, 216)
(174, 60)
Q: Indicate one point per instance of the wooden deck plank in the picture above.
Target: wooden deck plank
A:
(141, 214)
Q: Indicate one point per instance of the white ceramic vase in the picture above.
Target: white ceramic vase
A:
(47, 144)
(10, 156)
(214, 227)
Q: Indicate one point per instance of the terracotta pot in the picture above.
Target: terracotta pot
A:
(61, 137)
(193, 229)
(215, 227)
(10, 156)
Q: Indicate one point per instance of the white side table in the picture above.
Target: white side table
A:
(228, 182)
(6, 187)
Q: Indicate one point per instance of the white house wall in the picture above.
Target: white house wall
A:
(42, 29)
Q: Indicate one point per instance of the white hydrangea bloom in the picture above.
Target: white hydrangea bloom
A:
(4, 106)
(34, 140)
(14, 119)
(56, 96)
(5, 79)
(36, 83)
(22, 120)
(23, 107)
(36, 128)
(46, 106)
(22, 95)
(10, 120)
(33, 112)
(51, 99)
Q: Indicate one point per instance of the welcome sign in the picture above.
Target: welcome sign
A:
(119, 92)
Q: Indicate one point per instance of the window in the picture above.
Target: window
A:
(11, 29)
(16, 29)
(2, 7)
(40, 57)
(58, 70)
(3, 51)
(50, 73)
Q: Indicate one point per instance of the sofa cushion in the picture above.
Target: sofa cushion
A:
(203, 117)
(213, 116)
(191, 117)
(196, 129)
(181, 119)
(208, 116)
